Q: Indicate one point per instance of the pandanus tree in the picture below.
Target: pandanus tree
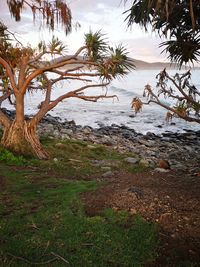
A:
(25, 70)
(179, 22)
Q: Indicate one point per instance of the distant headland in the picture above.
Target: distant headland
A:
(143, 65)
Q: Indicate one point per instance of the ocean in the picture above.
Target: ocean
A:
(116, 111)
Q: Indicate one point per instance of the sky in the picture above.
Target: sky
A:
(104, 15)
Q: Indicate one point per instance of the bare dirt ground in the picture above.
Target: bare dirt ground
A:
(172, 200)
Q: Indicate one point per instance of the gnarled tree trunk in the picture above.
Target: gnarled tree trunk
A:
(22, 139)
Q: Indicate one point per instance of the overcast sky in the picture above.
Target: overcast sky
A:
(104, 15)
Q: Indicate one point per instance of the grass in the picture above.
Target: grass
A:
(43, 219)
(74, 158)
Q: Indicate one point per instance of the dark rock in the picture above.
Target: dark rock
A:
(132, 116)
(137, 191)
(158, 126)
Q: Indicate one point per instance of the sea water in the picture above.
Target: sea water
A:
(117, 110)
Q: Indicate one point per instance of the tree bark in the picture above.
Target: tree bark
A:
(22, 139)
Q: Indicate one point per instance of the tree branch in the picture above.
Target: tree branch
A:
(9, 73)
(180, 115)
(179, 87)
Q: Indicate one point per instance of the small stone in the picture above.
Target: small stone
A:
(60, 145)
(132, 116)
(55, 160)
(107, 174)
(164, 164)
(106, 168)
(131, 160)
(161, 170)
(133, 211)
(137, 191)
(148, 143)
(87, 130)
(64, 136)
(173, 235)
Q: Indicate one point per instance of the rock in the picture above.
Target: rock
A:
(107, 174)
(64, 136)
(161, 170)
(137, 191)
(72, 123)
(66, 131)
(56, 133)
(100, 124)
(87, 130)
(131, 160)
(163, 164)
(133, 211)
(132, 116)
(106, 168)
(104, 163)
(47, 129)
(106, 140)
(148, 143)
(191, 137)
(60, 145)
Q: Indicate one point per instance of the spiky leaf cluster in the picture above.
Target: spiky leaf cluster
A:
(178, 20)
(116, 63)
(96, 45)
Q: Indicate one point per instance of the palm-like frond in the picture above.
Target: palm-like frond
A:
(96, 45)
(117, 63)
(177, 19)
(185, 48)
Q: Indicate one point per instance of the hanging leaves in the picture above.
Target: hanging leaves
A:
(136, 104)
(184, 97)
(52, 12)
(175, 19)
(15, 7)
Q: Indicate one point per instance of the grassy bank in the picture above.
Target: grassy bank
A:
(43, 221)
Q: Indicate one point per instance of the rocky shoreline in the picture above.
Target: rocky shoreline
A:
(181, 150)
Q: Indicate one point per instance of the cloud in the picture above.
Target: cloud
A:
(104, 15)
(146, 48)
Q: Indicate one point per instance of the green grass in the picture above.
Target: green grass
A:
(43, 219)
(74, 158)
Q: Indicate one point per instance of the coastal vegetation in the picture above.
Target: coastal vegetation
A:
(43, 219)
(26, 70)
(131, 200)
(81, 207)
(179, 22)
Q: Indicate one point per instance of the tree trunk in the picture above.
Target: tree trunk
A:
(22, 139)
